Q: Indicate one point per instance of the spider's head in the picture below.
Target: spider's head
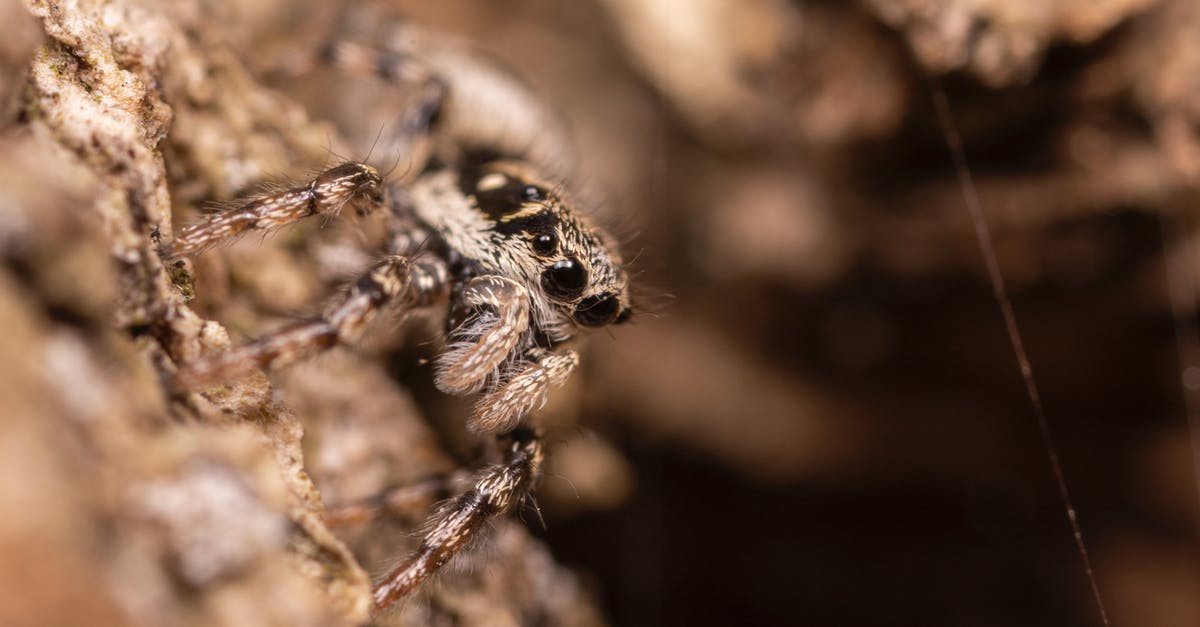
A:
(584, 276)
(571, 266)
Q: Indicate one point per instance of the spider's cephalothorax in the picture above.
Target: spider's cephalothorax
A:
(519, 267)
(499, 218)
(529, 269)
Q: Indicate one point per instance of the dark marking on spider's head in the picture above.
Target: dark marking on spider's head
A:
(500, 192)
(530, 225)
(519, 207)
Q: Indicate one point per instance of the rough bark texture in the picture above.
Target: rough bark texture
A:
(815, 417)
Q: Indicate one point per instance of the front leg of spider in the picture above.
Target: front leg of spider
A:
(503, 409)
(498, 315)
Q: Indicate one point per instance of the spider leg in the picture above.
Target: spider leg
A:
(502, 409)
(496, 490)
(474, 102)
(395, 280)
(481, 344)
(327, 194)
(414, 135)
(389, 65)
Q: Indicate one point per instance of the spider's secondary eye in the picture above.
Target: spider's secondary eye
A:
(545, 243)
(565, 279)
(532, 193)
(597, 311)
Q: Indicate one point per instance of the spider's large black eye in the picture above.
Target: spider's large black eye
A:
(597, 311)
(565, 279)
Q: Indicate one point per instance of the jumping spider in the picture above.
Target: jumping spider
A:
(519, 265)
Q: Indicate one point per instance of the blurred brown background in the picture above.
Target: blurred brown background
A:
(816, 418)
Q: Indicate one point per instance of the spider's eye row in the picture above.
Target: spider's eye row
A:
(597, 311)
(545, 243)
(565, 279)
